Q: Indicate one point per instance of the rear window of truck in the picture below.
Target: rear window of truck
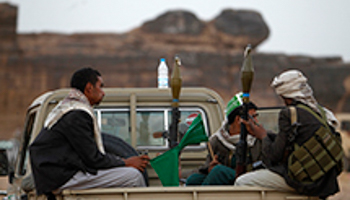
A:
(148, 121)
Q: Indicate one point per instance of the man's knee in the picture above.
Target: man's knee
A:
(220, 175)
(240, 181)
(247, 179)
(135, 177)
(218, 170)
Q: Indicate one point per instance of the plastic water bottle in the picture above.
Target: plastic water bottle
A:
(163, 79)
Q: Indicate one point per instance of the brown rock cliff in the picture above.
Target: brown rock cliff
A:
(211, 53)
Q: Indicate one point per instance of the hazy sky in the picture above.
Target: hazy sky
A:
(298, 27)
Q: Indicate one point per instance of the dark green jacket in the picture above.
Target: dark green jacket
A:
(275, 157)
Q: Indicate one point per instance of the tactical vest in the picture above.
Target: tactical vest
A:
(315, 157)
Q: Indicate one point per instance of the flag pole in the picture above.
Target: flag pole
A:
(211, 151)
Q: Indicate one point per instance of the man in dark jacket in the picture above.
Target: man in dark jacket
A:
(293, 88)
(68, 153)
(221, 169)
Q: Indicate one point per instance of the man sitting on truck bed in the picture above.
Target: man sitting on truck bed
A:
(68, 152)
(305, 155)
(221, 170)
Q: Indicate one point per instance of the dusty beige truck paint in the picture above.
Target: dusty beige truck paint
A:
(176, 193)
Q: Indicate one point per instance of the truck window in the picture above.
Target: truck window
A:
(186, 118)
(148, 121)
(115, 122)
(268, 117)
(23, 152)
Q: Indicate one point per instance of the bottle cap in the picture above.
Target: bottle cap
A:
(162, 60)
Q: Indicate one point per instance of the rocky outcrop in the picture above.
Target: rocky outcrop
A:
(176, 22)
(211, 54)
(230, 30)
(248, 26)
(8, 23)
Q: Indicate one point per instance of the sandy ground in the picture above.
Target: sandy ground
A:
(344, 181)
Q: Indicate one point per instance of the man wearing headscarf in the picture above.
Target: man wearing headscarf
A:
(293, 88)
(68, 153)
(221, 169)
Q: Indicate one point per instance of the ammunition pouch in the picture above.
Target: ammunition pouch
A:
(315, 157)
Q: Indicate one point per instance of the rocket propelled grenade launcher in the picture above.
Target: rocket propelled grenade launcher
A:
(247, 75)
(175, 84)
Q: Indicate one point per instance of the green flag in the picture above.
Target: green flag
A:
(167, 164)
(167, 167)
(195, 133)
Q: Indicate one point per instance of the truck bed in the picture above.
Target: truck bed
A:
(176, 193)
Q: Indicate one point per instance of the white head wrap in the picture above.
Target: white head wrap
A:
(230, 141)
(293, 84)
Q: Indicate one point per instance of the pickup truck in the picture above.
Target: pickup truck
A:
(133, 115)
(6, 157)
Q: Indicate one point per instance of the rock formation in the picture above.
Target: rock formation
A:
(8, 23)
(211, 53)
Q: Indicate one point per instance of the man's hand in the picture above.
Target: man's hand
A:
(138, 162)
(255, 129)
(213, 163)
